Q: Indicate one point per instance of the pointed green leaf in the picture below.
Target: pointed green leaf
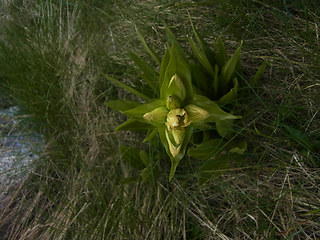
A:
(142, 109)
(258, 74)
(199, 79)
(150, 75)
(238, 147)
(146, 174)
(127, 88)
(216, 82)
(162, 134)
(121, 105)
(173, 41)
(145, 158)
(224, 128)
(150, 134)
(220, 53)
(203, 45)
(201, 57)
(217, 114)
(228, 69)
(207, 149)
(132, 157)
(148, 49)
(133, 124)
(163, 68)
(231, 95)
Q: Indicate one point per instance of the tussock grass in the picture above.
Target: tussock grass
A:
(52, 56)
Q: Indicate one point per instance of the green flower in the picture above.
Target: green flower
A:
(176, 112)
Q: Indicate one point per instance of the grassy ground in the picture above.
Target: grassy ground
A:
(52, 57)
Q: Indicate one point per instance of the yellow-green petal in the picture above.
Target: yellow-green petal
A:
(196, 113)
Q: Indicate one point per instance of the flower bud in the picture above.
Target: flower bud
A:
(174, 148)
(173, 102)
(176, 87)
(157, 115)
(196, 113)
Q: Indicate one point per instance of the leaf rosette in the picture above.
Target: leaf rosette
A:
(176, 112)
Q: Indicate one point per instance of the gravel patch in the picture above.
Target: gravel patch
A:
(18, 148)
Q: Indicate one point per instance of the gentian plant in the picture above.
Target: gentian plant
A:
(177, 98)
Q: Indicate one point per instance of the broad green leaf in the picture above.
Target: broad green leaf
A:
(127, 88)
(220, 53)
(134, 125)
(224, 128)
(228, 69)
(207, 149)
(258, 74)
(238, 147)
(121, 105)
(142, 109)
(150, 75)
(150, 134)
(132, 157)
(231, 95)
(199, 79)
(201, 57)
(213, 167)
(217, 114)
(148, 49)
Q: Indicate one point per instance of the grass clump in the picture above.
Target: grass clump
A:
(52, 56)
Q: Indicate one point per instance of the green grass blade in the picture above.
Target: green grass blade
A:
(258, 74)
(172, 40)
(121, 105)
(133, 124)
(150, 75)
(126, 87)
(148, 49)
(203, 45)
